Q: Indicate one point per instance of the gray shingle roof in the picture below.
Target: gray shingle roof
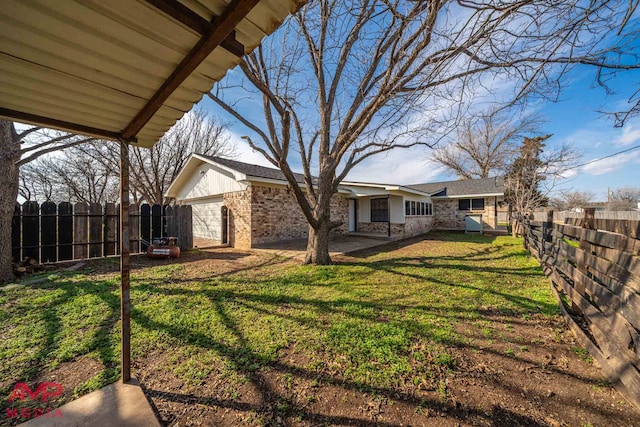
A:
(253, 170)
(463, 187)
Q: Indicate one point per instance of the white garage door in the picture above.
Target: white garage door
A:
(207, 218)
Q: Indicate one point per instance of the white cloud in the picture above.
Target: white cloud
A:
(568, 174)
(611, 164)
(630, 135)
(244, 153)
(400, 166)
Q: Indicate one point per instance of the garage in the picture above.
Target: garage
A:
(207, 218)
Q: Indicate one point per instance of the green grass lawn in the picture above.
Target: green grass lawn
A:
(379, 321)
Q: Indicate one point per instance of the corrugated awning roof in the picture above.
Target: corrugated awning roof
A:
(122, 68)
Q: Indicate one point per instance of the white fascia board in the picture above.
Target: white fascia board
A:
(387, 188)
(249, 179)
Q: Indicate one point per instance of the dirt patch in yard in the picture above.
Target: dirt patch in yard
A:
(525, 373)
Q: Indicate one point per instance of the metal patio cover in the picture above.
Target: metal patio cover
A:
(122, 69)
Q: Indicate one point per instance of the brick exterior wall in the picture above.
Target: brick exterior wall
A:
(379, 227)
(270, 214)
(413, 226)
(239, 205)
(416, 225)
(446, 215)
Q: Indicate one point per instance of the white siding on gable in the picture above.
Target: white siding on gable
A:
(208, 180)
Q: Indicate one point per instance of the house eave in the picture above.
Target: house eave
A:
(466, 196)
(386, 189)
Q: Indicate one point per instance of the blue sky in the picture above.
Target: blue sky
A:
(575, 118)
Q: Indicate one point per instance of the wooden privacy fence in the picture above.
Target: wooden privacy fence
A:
(569, 217)
(60, 232)
(594, 267)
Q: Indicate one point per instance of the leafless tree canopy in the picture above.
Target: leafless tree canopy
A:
(345, 80)
(69, 176)
(89, 172)
(484, 146)
(18, 147)
(624, 199)
(570, 200)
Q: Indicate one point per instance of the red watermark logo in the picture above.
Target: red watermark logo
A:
(45, 391)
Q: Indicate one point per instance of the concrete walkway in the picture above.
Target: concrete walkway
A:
(337, 246)
(117, 404)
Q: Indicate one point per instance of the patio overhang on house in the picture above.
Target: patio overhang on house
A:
(365, 189)
(123, 69)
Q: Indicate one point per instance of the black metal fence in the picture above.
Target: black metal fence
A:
(60, 232)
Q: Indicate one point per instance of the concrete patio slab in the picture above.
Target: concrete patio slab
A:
(118, 404)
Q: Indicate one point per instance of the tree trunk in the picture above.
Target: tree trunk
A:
(318, 245)
(9, 156)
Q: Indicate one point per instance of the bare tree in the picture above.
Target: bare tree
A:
(70, 176)
(345, 80)
(624, 199)
(36, 183)
(578, 199)
(17, 148)
(485, 146)
(153, 169)
(533, 175)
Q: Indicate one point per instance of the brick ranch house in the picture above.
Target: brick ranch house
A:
(247, 205)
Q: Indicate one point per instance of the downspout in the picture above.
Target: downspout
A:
(495, 212)
(389, 215)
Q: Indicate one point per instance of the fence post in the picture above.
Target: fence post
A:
(110, 229)
(589, 218)
(80, 231)
(96, 239)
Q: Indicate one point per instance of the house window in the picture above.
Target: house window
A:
(407, 208)
(379, 210)
(413, 208)
(471, 204)
(429, 209)
(422, 208)
(477, 204)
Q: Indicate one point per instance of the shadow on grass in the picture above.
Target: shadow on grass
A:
(249, 364)
(224, 295)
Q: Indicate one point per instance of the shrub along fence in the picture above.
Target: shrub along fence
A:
(60, 232)
(594, 268)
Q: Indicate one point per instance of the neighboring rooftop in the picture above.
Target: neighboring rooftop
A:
(253, 170)
(462, 187)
